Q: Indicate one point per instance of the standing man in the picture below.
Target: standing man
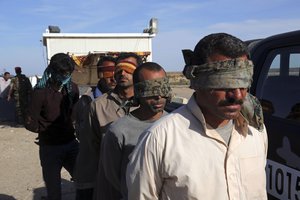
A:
(4, 83)
(49, 115)
(205, 149)
(101, 113)
(105, 69)
(151, 93)
(20, 89)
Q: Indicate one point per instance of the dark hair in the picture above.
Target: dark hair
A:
(124, 55)
(18, 70)
(5, 73)
(218, 43)
(61, 63)
(151, 66)
(104, 59)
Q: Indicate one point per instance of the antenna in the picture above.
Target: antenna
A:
(153, 26)
(54, 29)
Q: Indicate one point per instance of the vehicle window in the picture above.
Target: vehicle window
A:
(275, 66)
(294, 64)
(280, 91)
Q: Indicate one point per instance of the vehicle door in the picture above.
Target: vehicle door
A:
(278, 89)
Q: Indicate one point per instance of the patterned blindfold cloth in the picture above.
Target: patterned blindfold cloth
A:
(234, 73)
(155, 87)
(126, 66)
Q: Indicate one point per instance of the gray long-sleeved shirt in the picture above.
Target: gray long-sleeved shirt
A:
(118, 143)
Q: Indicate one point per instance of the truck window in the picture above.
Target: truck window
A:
(280, 89)
(275, 66)
(294, 64)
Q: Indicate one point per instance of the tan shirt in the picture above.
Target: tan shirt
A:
(101, 113)
(180, 157)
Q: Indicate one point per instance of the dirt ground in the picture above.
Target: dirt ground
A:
(20, 170)
(20, 174)
(182, 91)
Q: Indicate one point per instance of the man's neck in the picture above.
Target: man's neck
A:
(125, 93)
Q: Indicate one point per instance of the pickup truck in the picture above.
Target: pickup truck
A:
(276, 83)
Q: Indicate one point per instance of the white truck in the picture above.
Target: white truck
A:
(87, 48)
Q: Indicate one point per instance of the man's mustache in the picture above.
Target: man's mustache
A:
(231, 101)
(123, 77)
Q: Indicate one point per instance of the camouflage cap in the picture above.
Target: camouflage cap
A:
(234, 73)
(155, 87)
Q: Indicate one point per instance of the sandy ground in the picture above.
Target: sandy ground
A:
(182, 91)
(20, 170)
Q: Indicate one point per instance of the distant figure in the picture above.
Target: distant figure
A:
(98, 116)
(4, 83)
(20, 90)
(206, 149)
(105, 69)
(50, 115)
(151, 93)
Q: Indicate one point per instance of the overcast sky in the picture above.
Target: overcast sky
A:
(181, 24)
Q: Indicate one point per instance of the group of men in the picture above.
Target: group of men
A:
(18, 88)
(214, 147)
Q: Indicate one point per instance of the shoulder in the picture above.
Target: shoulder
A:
(165, 125)
(100, 101)
(170, 123)
(108, 98)
(181, 114)
(119, 127)
(22, 76)
(259, 134)
(122, 122)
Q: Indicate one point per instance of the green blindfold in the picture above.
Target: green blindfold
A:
(234, 73)
(155, 87)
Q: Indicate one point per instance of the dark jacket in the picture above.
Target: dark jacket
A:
(49, 114)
